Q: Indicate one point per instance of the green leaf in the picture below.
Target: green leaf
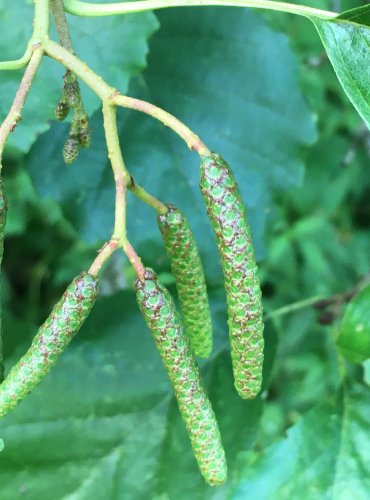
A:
(325, 455)
(258, 127)
(114, 47)
(346, 40)
(354, 335)
(104, 424)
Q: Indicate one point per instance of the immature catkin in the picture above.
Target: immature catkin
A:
(53, 337)
(71, 150)
(3, 213)
(84, 134)
(233, 235)
(161, 316)
(190, 281)
(62, 110)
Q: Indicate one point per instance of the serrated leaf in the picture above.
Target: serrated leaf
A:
(346, 39)
(325, 455)
(354, 334)
(115, 48)
(104, 424)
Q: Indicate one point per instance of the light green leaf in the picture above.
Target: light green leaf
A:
(354, 335)
(325, 455)
(347, 42)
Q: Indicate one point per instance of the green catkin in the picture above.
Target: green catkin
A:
(233, 235)
(53, 337)
(190, 281)
(3, 213)
(158, 309)
(71, 150)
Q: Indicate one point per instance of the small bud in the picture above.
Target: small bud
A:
(62, 110)
(72, 93)
(70, 150)
(84, 136)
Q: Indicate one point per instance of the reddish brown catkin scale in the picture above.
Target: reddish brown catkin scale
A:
(3, 212)
(160, 314)
(65, 320)
(190, 281)
(227, 214)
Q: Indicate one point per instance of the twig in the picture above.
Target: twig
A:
(106, 92)
(322, 303)
(295, 306)
(134, 259)
(61, 25)
(15, 112)
(108, 9)
(146, 197)
(103, 255)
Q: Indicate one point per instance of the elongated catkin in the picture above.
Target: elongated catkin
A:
(233, 235)
(190, 281)
(158, 309)
(53, 337)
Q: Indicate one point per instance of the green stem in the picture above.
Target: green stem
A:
(41, 21)
(103, 255)
(296, 306)
(92, 9)
(82, 70)
(107, 93)
(40, 34)
(17, 63)
(170, 121)
(146, 197)
(121, 175)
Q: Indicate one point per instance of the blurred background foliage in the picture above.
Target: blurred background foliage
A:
(259, 89)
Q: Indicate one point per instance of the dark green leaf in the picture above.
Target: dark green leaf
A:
(354, 335)
(360, 15)
(101, 420)
(325, 455)
(347, 41)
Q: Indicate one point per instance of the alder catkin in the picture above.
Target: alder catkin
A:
(84, 134)
(158, 309)
(233, 235)
(62, 110)
(71, 150)
(65, 320)
(190, 281)
(3, 213)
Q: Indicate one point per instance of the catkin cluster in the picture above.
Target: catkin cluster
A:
(158, 309)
